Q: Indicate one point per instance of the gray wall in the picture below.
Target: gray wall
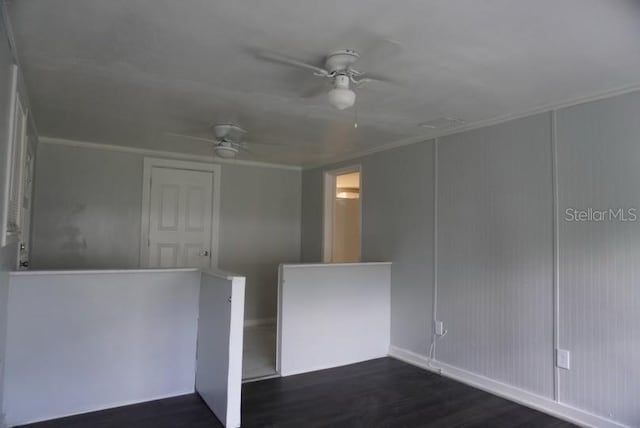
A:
(397, 226)
(495, 256)
(8, 253)
(495, 252)
(599, 167)
(87, 210)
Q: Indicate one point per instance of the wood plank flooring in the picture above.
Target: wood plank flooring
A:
(378, 393)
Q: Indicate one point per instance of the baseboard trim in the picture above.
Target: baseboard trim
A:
(104, 407)
(259, 321)
(520, 396)
(259, 378)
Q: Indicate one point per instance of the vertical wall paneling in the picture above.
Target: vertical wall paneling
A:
(599, 169)
(495, 263)
(512, 279)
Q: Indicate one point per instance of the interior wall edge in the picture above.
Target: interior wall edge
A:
(555, 202)
(517, 395)
(434, 308)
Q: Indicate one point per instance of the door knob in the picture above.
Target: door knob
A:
(204, 253)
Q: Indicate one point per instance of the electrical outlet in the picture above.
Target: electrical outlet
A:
(439, 328)
(563, 359)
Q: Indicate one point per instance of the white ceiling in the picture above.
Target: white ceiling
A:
(130, 71)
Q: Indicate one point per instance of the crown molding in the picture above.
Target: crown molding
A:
(161, 153)
(358, 154)
(476, 125)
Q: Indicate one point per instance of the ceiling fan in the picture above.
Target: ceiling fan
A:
(228, 141)
(338, 69)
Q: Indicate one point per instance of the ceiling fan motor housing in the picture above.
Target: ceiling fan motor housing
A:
(228, 132)
(341, 60)
(340, 96)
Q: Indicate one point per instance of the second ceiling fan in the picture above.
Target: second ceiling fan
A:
(227, 141)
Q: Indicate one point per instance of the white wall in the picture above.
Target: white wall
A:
(332, 314)
(220, 333)
(397, 226)
(79, 342)
(495, 260)
(87, 209)
(7, 259)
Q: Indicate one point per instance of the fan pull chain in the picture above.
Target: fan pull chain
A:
(355, 122)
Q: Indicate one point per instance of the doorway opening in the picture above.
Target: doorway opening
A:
(342, 215)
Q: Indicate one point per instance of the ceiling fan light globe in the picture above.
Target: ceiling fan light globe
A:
(225, 152)
(341, 98)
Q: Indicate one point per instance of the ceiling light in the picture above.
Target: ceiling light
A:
(225, 151)
(340, 96)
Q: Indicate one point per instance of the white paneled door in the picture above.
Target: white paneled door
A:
(180, 218)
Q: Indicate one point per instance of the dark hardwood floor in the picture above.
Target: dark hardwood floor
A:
(378, 393)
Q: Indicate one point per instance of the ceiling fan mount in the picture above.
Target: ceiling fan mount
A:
(341, 61)
(228, 133)
(228, 141)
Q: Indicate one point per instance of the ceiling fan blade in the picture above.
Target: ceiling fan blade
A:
(190, 137)
(254, 143)
(245, 150)
(282, 59)
(365, 78)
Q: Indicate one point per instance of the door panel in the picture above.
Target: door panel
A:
(169, 206)
(195, 210)
(167, 255)
(180, 218)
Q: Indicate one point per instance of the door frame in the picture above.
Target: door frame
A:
(149, 164)
(329, 191)
(24, 241)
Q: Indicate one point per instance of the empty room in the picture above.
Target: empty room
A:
(219, 213)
